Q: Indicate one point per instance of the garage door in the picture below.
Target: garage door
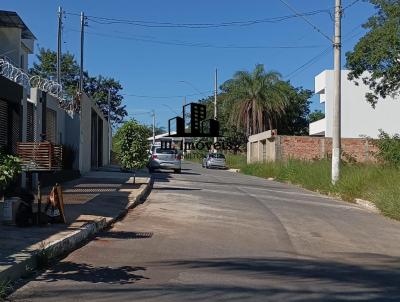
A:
(3, 124)
(51, 125)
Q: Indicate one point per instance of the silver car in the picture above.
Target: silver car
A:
(161, 158)
(214, 160)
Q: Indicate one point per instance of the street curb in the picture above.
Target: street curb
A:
(72, 241)
(368, 205)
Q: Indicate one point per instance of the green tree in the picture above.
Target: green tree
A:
(316, 116)
(46, 67)
(96, 87)
(132, 145)
(378, 52)
(257, 98)
(294, 120)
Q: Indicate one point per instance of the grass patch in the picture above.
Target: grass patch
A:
(5, 289)
(373, 182)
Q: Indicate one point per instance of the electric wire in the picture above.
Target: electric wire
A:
(157, 24)
(197, 44)
(306, 20)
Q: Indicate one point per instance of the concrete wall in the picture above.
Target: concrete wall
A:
(358, 117)
(283, 147)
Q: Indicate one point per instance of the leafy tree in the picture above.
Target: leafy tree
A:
(132, 145)
(294, 121)
(316, 116)
(378, 52)
(96, 87)
(255, 94)
(46, 67)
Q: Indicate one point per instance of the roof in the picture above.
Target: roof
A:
(11, 19)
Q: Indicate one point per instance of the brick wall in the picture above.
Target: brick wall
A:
(309, 148)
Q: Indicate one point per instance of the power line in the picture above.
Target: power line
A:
(308, 63)
(156, 24)
(305, 19)
(198, 44)
(349, 5)
(164, 97)
(315, 59)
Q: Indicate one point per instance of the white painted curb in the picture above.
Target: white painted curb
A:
(367, 205)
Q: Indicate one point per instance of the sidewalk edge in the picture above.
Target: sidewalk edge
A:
(71, 241)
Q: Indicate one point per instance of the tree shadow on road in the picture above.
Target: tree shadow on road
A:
(83, 272)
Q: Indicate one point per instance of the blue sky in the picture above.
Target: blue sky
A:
(147, 61)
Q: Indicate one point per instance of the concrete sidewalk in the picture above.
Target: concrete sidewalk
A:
(92, 203)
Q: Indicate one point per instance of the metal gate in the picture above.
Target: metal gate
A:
(3, 124)
(51, 126)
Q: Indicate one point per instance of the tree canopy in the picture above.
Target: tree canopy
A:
(257, 97)
(378, 52)
(290, 116)
(96, 87)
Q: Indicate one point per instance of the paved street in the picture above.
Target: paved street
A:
(209, 235)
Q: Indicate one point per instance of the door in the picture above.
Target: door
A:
(51, 125)
(3, 124)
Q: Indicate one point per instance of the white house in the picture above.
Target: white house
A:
(358, 117)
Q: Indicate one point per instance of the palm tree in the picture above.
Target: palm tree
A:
(257, 98)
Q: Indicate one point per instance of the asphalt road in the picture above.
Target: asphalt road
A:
(208, 235)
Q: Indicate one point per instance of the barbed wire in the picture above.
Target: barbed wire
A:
(19, 76)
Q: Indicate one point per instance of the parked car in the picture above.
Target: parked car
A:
(214, 160)
(161, 158)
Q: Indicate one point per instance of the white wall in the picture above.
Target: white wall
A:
(358, 117)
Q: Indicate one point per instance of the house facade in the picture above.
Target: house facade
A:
(29, 114)
(16, 44)
(358, 117)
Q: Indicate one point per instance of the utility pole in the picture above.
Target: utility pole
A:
(154, 127)
(109, 126)
(183, 138)
(59, 45)
(215, 98)
(336, 129)
(82, 40)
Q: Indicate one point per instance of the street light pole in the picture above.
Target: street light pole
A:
(82, 40)
(336, 129)
(215, 98)
(183, 138)
(109, 127)
(154, 127)
(59, 45)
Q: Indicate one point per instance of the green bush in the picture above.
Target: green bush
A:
(10, 167)
(389, 148)
(131, 145)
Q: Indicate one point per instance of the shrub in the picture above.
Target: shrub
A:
(10, 167)
(132, 146)
(389, 148)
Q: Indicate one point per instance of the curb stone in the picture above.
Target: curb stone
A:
(71, 241)
(368, 205)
